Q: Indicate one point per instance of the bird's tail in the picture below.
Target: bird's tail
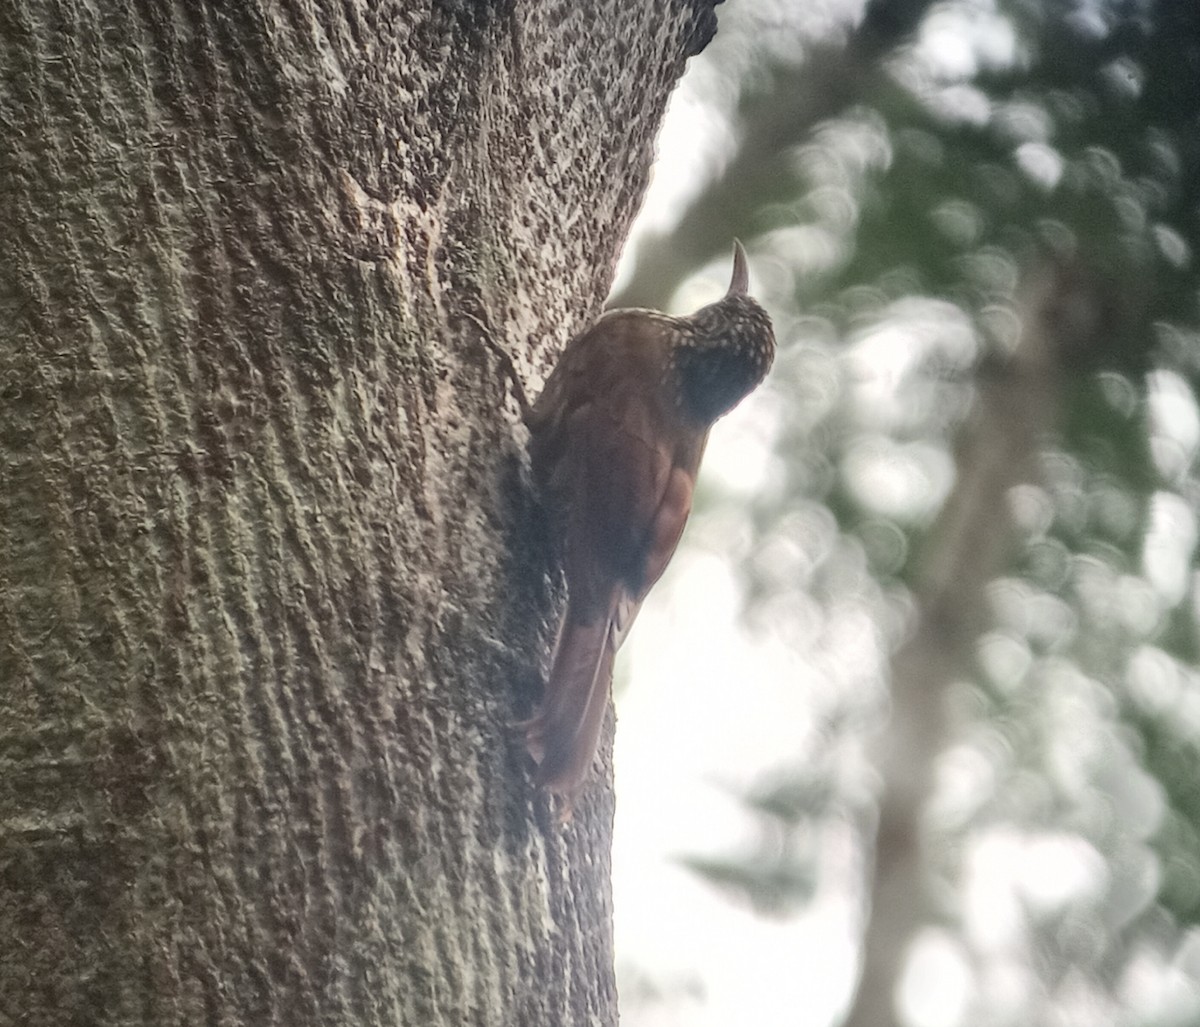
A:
(563, 735)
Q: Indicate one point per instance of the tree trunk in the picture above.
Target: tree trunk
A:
(271, 591)
(1018, 407)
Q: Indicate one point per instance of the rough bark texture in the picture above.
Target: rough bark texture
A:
(1018, 405)
(271, 590)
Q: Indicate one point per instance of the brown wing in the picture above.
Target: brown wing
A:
(612, 477)
(606, 457)
(621, 462)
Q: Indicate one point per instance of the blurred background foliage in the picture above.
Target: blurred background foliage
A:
(976, 224)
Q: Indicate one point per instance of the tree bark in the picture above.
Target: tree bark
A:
(271, 591)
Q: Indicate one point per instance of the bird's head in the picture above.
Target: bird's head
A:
(724, 349)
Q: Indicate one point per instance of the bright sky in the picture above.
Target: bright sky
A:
(706, 712)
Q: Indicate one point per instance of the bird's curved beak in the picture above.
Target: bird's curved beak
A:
(739, 284)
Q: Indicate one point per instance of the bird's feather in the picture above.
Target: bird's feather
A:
(623, 498)
(615, 451)
(563, 735)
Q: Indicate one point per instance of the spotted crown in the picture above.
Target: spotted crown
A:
(723, 350)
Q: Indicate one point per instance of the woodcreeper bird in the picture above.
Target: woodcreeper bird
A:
(616, 440)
